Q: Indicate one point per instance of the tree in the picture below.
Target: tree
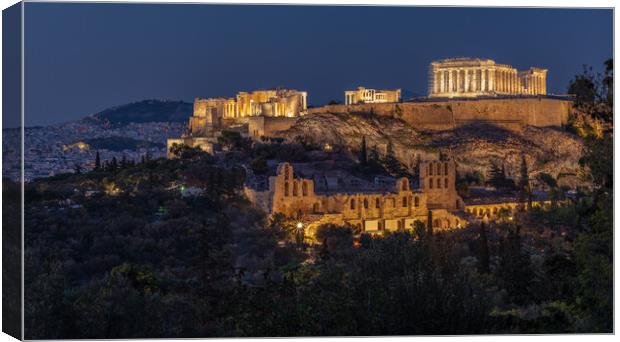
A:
(97, 162)
(363, 153)
(525, 192)
(497, 178)
(483, 250)
(259, 166)
(547, 179)
(392, 164)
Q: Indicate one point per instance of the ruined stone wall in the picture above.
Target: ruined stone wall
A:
(511, 113)
(370, 212)
(265, 126)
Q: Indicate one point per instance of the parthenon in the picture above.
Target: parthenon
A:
(473, 77)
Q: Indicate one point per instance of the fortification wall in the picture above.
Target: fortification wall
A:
(259, 126)
(511, 113)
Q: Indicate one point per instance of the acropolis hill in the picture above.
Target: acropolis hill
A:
(461, 92)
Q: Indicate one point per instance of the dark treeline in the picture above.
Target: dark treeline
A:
(171, 248)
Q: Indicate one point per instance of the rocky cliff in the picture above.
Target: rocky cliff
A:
(475, 147)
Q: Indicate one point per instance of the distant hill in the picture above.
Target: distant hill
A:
(143, 111)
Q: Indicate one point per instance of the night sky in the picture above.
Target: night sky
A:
(83, 58)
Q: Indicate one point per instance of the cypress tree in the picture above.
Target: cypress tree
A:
(430, 224)
(97, 162)
(483, 250)
(363, 153)
(524, 183)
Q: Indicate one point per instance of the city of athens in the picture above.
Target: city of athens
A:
(177, 170)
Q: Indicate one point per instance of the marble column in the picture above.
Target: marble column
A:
(458, 80)
(466, 87)
(441, 82)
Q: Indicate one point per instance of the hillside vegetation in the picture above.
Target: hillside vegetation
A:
(475, 147)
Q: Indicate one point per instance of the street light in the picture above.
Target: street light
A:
(299, 234)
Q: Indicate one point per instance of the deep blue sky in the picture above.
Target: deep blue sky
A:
(83, 58)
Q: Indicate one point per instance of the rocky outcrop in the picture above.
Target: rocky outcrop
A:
(475, 147)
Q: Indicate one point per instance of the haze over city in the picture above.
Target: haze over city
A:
(83, 58)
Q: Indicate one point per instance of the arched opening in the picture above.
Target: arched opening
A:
(445, 183)
(430, 183)
(286, 189)
(295, 189)
(430, 169)
(377, 203)
(365, 203)
(405, 185)
(416, 201)
(287, 172)
(404, 202)
(445, 169)
(304, 189)
(352, 204)
(438, 183)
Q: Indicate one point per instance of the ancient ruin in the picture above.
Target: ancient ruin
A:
(474, 77)
(364, 95)
(272, 102)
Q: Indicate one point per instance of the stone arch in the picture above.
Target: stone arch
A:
(304, 189)
(403, 184)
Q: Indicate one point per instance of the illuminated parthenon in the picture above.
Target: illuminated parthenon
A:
(472, 77)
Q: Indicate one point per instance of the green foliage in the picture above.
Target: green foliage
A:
(363, 153)
(547, 179)
(392, 164)
(120, 143)
(259, 166)
(497, 178)
(233, 140)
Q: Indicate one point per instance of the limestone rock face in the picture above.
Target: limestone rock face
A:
(474, 147)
